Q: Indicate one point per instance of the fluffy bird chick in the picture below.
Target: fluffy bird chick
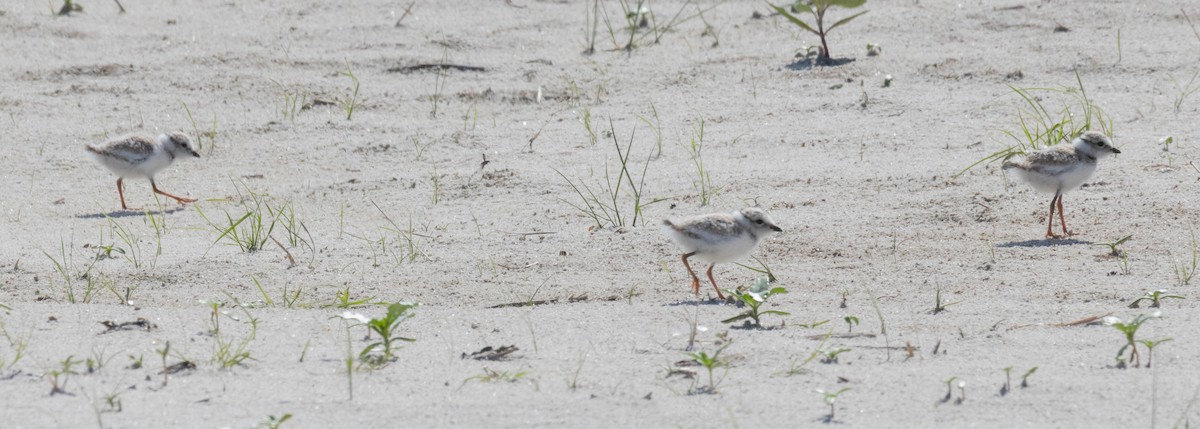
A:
(140, 155)
(1061, 168)
(719, 237)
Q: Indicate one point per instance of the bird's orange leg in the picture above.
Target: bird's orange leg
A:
(1050, 221)
(714, 281)
(181, 200)
(695, 279)
(1062, 219)
(121, 192)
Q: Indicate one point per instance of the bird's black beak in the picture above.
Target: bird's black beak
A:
(1115, 150)
(776, 228)
(194, 153)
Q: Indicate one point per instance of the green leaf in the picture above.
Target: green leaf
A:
(736, 318)
(844, 20)
(781, 313)
(777, 290)
(792, 18)
(800, 5)
(848, 4)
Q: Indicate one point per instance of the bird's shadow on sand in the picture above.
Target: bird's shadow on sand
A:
(128, 213)
(1044, 243)
(812, 62)
(713, 301)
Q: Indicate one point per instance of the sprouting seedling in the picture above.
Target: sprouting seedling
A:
(850, 322)
(350, 101)
(490, 376)
(58, 377)
(1155, 297)
(831, 399)
(711, 363)
(951, 384)
(1007, 381)
(753, 298)
(1129, 329)
(962, 391)
(273, 422)
(1150, 345)
(873, 49)
(162, 353)
(818, 8)
(69, 7)
(1025, 377)
(1166, 145)
(940, 305)
(379, 353)
(1184, 272)
(1113, 249)
(831, 355)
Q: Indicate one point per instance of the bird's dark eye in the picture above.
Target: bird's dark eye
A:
(760, 222)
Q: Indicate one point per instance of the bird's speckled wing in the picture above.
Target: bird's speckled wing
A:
(1049, 162)
(132, 149)
(710, 228)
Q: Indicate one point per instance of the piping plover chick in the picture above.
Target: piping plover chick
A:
(719, 237)
(1062, 168)
(140, 155)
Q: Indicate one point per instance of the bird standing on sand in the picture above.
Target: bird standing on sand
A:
(1061, 168)
(140, 155)
(719, 237)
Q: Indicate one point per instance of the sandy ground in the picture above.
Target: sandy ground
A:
(393, 205)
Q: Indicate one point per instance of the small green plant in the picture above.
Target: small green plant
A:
(251, 231)
(349, 101)
(70, 274)
(291, 102)
(607, 207)
(491, 376)
(1007, 387)
(702, 181)
(1025, 377)
(287, 299)
(380, 353)
(939, 305)
(17, 344)
(850, 322)
(1150, 345)
(1166, 145)
(203, 138)
(1155, 297)
(830, 398)
(830, 355)
(1129, 330)
(68, 7)
(818, 9)
(162, 354)
(949, 389)
(439, 83)
(58, 376)
(1185, 90)
(228, 352)
(342, 299)
(1113, 246)
(763, 268)
(273, 422)
(1183, 271)
(753, 298)
(710, 364)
